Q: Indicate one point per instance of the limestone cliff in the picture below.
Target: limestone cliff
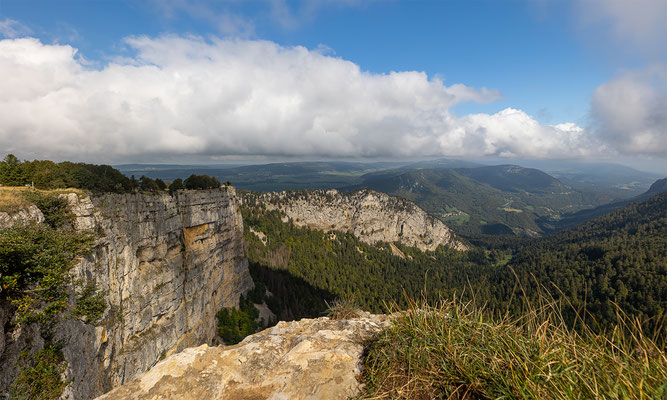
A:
(167, 265)
(306, 359)
(371, 216)
(30, 214)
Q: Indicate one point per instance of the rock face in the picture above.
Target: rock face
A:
(371, 216)
(307, 359)
(31, 214)
(167, 266)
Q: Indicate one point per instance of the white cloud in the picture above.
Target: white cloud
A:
(640, 24)
(631, 111)
(10, 28)
(188, 96)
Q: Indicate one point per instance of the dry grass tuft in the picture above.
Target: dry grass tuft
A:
(456, 351)
(342, 309)
(12, 199)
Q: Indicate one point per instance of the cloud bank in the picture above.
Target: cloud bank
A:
(631, 111)
(637, 24)
(190, 96)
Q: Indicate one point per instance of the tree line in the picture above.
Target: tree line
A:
(45, 174)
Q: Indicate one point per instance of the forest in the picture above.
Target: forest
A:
(616, 263)
(46, 174)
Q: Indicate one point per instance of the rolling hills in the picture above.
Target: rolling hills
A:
(502, 199)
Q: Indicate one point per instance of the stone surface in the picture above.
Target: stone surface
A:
(31, 214)
(167, 265)
(371, 216)
(307, 359)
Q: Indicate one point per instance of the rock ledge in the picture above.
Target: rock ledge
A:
(307, 359)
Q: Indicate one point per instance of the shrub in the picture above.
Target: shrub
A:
(176, 185)
(35, 265)
(90, 303)
(41, 378)
(201, 182)
(55, 208)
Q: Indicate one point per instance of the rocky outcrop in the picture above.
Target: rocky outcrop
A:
(371, 216)
(30, 214)
(167, 265)
(307, 359)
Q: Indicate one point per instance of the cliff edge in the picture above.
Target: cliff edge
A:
(306, 359)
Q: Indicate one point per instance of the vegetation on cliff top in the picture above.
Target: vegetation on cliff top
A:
(45, 174)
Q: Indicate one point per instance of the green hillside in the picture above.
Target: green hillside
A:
(620, 258)
(497, 199)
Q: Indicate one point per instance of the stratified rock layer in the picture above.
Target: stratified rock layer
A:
(166, 264)
(307, 359)
(371, 216)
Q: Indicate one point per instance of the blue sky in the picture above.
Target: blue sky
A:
(556, 62)
(533, 53)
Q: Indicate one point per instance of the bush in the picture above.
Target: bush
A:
(41, 378)
(201, 182)
(55, 208)
(35, 265)
(90, 303)
(176, 185)
(147, 184)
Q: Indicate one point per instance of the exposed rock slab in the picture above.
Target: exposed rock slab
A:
(307, 359)
(371, 216)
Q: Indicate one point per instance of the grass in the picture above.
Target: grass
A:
(456, 351)
(14, 199)
(342, 309)
(458, 219)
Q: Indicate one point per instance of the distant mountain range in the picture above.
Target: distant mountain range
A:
(469, 196)
(268, 177)
(501, 199)
(570, 220)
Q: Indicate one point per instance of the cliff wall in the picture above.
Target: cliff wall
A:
(167, 265)
(371, 216)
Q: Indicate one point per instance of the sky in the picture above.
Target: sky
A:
(113, 81)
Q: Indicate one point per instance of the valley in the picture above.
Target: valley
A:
(178, 273)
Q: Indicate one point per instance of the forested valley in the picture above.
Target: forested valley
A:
(613, 264)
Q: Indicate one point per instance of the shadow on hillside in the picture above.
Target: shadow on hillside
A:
(292, 298)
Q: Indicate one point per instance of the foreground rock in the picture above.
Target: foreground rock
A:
(307, 359)
(371, 216)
